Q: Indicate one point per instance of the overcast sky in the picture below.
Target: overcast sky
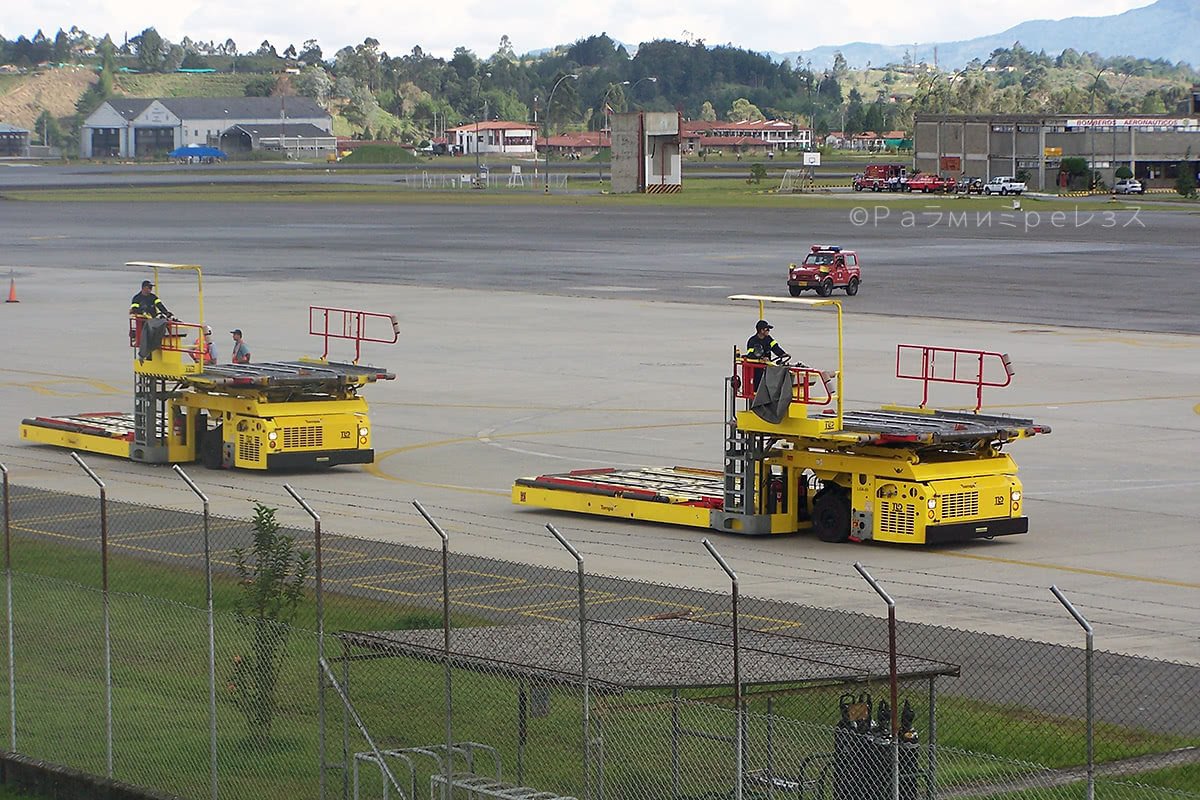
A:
(438, 28)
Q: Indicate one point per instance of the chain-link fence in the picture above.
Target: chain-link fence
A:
(402, 672)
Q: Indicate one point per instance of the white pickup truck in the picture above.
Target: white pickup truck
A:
(1004, 184)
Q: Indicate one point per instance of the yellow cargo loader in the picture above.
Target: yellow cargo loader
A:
(796, 460)
(271, 415)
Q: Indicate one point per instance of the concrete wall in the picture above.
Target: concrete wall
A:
(626, 132)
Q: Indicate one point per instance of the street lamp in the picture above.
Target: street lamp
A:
(550, 105)
(1092, 130)
(478, 176)
(651, 78)
(1120, 89)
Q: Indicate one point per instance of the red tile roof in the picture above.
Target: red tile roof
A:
(494, 125)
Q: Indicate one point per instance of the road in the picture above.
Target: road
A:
(539, 339)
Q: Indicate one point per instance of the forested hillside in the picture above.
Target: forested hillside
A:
(414, 96)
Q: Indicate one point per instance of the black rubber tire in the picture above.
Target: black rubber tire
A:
(826, 288)
(794, 291)
(210, 448)
(831, 515)
(852, 287)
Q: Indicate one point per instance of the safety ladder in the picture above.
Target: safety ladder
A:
(740, 461)
(150, 422)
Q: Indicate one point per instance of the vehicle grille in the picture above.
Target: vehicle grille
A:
(248, 447)
(960, 504)
(897, 518)
(309, 436)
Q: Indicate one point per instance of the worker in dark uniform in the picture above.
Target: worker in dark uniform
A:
(763, 346)
(146, 304)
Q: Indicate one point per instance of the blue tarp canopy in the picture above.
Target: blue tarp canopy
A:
(197, 151)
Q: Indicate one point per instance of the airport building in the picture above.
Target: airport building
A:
(1154, 147)
(132, 127)
(14, 141)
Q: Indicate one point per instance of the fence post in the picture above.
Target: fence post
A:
(448, 791)
(108, 710)
(739, 738)
(583, 662)
(8, 613)
(891, 604)
(212, 638)
(1091, 750)
(320, 639)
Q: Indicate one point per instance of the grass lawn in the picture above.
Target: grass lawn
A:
(698, 193)
(161, 708)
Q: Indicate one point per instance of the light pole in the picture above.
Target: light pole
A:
(1120, 89)
(478, 176)
(651, 78)
(1092, 130)
(549, 106)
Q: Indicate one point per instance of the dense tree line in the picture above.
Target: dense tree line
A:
(411, 96)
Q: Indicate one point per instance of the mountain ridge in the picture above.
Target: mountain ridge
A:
(1139, 32)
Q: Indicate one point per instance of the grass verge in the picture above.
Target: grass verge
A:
(160, 699)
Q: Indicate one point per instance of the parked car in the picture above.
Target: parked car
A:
(825, 268)
(928, 182)
(1128, 186)
(968, 185)
(1004, 184)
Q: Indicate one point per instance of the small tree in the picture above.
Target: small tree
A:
(1185, 184)
(1124, 172)
(757, 173)
(272, 576)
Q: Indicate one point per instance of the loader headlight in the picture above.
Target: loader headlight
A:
(362, 431)
(1016, 497)
(272, 436)
(932, 503)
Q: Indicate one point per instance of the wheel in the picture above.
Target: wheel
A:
(852, 287)
(1003, 191)
(795, 291)
(210, 448)
(831, 514)
(826, 288)
(857, 187)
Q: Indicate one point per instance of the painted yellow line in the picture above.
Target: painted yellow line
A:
(1097, 402)
(376, 470)
(1102, 573)
(1132, 342)
(497, 407)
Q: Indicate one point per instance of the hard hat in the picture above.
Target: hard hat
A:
(208, 330)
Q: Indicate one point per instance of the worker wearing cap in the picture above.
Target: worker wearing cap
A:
(146, 304)
(205, 350)
(763, 345)
(241, 350)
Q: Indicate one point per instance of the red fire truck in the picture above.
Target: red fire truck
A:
(882, 178)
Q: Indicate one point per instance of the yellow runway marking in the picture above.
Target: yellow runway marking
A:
(1102, 573)
(376, 470)
(1132, 342)
(1108, 401)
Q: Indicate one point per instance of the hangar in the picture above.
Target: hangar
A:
(138, 127)
(14, 141)
(1154, 147)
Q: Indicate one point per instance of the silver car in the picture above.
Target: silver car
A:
(1128, 186)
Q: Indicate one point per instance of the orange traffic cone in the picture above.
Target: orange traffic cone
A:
(12, 290)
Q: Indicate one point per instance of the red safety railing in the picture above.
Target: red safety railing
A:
(952, 365)
(809, 386)
(174, 339)
(356, 326)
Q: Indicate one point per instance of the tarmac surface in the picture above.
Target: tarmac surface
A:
(545, 339)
